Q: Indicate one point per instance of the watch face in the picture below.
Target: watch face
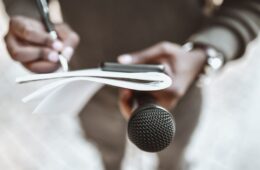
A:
(215, 59)
(215, 63)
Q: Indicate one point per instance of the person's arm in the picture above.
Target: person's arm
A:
(230, 30)
(232, 27)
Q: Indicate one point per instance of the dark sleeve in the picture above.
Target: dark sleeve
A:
(232, 27)
(22, 7)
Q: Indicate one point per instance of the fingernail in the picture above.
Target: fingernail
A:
(68, 52)
(53, 57)
(125, 59)
(57, 45)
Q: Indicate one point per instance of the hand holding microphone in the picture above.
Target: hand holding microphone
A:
(151, 127)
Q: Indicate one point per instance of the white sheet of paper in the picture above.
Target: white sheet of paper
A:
(75, 97)
(68, 86)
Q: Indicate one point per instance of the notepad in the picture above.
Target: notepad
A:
(139, 81)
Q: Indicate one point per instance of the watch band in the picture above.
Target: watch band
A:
(215, 61)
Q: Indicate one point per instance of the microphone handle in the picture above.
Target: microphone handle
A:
(142, 98)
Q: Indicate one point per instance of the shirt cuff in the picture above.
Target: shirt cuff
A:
(220, 38)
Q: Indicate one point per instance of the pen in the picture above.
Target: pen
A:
(44, 11)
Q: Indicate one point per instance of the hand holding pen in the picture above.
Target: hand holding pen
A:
(44, 10)
(29, 43)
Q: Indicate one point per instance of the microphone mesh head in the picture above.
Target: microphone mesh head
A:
(151, 128)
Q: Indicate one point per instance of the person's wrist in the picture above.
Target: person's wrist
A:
(194, 62)
(215, 60)
(199, 55)
(198, 60)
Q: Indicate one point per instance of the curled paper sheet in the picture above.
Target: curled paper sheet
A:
(66, 84)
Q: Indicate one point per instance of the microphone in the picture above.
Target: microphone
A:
(151, 127)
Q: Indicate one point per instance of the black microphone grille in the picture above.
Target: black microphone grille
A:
(151, 128)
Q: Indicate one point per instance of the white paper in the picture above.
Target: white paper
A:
(68, 86)
(76, 96)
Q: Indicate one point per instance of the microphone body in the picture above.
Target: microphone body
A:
(151, 127)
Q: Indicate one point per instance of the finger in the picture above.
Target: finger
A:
(150, 55)
(168, 67)
(69, 38)
(30, 30)
(41, 66)
(27, 53)
(67, 35)
(125, 102)
(68, 52)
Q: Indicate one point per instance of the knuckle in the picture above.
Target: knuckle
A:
(49, 69)
(166, 47)
(15, 54)
(54, 68)
(176, 94)
(26, 31)
(48, 40)
(17, 17)
(44, 53)
(14, 20)
(165, 43)
(65, 26)
(75, 38)
(180, 94)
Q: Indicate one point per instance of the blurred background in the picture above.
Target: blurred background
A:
(227, 136)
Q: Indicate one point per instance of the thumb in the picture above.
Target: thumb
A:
(135, 58)
(149, 55)
(140, 57)
(126, 59)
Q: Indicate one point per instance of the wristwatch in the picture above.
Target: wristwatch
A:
(215, 61)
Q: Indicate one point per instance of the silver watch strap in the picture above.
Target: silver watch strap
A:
(215, 61)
